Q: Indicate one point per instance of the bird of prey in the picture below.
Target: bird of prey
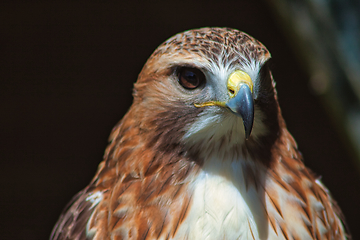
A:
(203, 153)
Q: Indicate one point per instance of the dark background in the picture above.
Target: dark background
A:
(66, 77)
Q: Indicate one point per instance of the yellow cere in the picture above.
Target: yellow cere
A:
(236, 79)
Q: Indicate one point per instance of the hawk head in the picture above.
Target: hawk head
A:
(209, 90)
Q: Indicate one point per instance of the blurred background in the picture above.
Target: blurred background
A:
(66, 77)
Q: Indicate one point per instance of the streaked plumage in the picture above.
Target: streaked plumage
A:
(179, 165)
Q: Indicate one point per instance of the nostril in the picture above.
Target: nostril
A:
(232, 92)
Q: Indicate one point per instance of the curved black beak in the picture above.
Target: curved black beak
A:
(242, 105)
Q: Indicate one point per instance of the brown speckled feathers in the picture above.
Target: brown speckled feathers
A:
(178, 165)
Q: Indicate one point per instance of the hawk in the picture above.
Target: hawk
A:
(203, 153)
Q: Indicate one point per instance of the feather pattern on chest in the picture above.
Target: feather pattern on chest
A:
(225, 205)
(243, 199)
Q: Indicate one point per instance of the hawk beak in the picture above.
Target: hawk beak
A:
(241, 103)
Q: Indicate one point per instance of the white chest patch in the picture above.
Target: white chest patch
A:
(222, 208)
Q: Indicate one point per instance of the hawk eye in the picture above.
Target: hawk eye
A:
(191, 78)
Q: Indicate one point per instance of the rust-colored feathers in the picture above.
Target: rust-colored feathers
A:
(173, 170)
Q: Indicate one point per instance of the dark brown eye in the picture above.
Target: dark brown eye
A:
(191, 78)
